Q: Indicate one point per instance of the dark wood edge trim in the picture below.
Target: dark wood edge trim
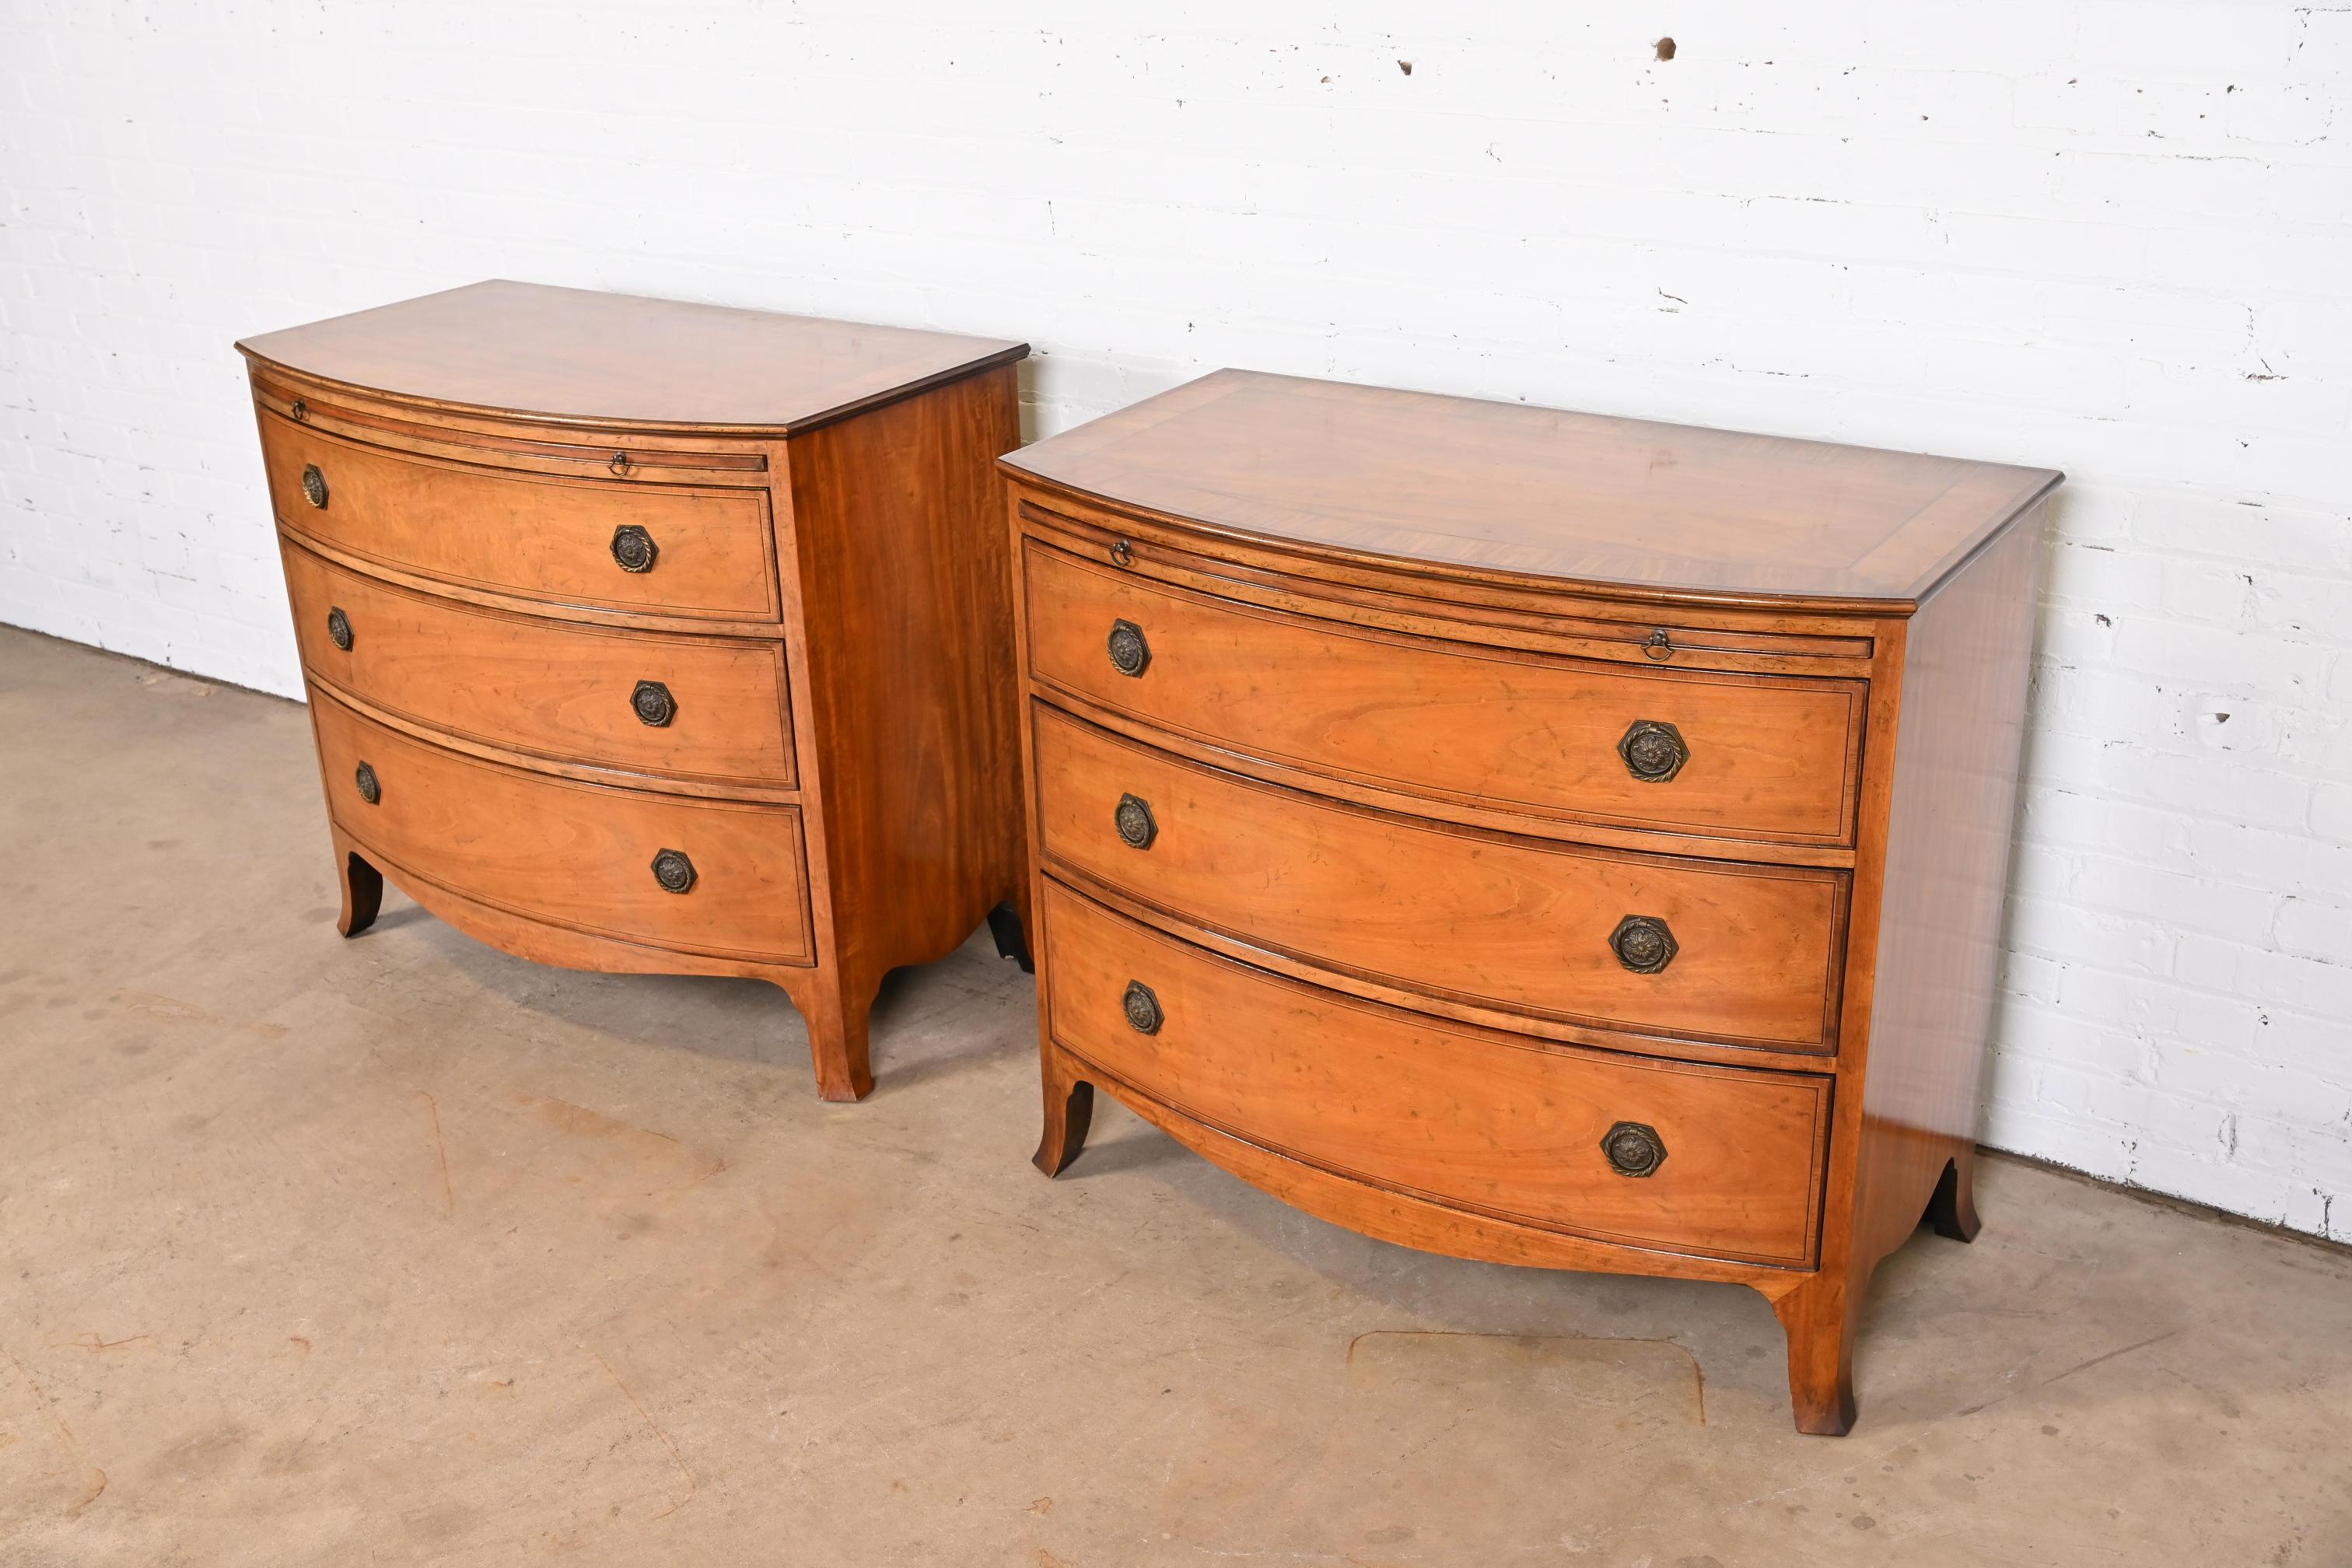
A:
(1953, 565)
(1008, 354)
(1833, 983)
(1416, 567)
(404, 874)
(1462, 645)
(1824, 1127)
(1368, 597)
(750, 466)
(1011, 353)
(1135, 1098)
(1857, 747)
(485, 468)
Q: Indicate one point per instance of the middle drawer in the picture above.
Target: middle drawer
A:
(1704, 950)
(694, 708)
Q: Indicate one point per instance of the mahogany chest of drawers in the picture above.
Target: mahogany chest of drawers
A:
(657, 637)
(1528, 836)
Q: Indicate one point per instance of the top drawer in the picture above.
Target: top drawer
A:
(686, 551)
(1751, 756)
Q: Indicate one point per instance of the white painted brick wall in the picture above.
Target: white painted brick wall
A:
(2109, 236)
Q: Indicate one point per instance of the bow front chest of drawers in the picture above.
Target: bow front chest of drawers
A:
(1528, 836)
(657, 637)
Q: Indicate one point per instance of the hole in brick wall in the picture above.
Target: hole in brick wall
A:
(1665, 48)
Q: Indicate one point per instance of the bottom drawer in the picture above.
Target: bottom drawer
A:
(575, 854)
(1727, 1158)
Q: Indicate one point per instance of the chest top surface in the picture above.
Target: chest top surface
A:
(1500, 488)
(579, 355)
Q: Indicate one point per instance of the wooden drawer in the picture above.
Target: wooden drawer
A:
(565, 691)
(1518, 923)
(1768, 757)
(1472, 1117)
(574, 855)
(536, 535)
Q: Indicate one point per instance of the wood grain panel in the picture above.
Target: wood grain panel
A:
(1508, 922)
(530, 534)
(1479, 1121)
(1508, 490)
(570, 854)
(1770, 758)
(903, 592)
(583, 356)
(1952, 817)
(549, 687)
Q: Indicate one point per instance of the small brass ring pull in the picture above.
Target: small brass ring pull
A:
(1129, 654)
(301, 410)
(314, 484)
(1142, 1009)
(634, 547)
(1643, 944)
(1653, 751)
(1134, 821)
(1660, 646)
(1633, 1149)
(620, 463)
(1122, 554)
(674, 872)
(652, 704)
(338, 627)
(371, 789)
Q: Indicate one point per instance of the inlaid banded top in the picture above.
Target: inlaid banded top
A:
(1513, 491)
(582, 356)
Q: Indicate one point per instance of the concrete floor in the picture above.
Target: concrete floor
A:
(401, 1250)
